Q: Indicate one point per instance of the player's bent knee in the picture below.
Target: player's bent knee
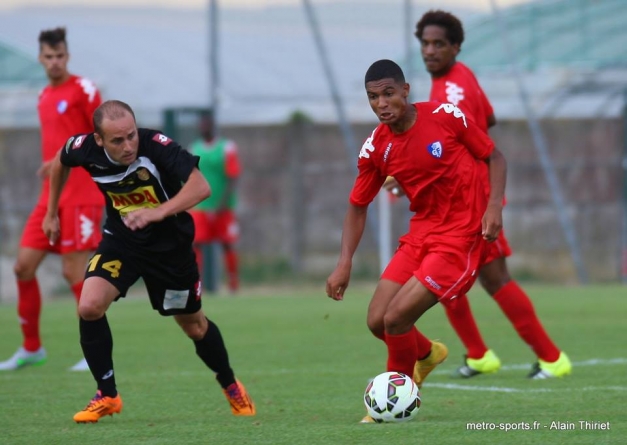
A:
(195, 326)
(493, 284)
(90, 311)
(23, 272)
(395, 324)
(376, 326)
(194, 331)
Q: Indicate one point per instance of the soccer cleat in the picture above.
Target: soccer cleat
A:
(241, 403)
(423, 367)
(487, 364)
(80, 366)
(546, 370)
(23, 358)
(367, 419)
(99, 407)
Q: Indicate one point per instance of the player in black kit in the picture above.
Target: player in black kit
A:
(148, 182)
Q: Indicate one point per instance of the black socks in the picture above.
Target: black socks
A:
(212, 351)
(97, 344)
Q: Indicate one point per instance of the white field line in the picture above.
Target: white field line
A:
(457, 386)
(591, 362)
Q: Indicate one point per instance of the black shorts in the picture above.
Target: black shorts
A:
(171, 277)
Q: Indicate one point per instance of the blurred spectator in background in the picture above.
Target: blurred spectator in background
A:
(65, 108)
(215, 218)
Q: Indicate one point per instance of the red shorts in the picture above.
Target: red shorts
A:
(445, 265)
(499, 248)
(215, 226)
(80, 229)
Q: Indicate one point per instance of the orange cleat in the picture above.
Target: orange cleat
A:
(99, 407)
(241, 403)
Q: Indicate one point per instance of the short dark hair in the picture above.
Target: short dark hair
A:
(446, 20)
(52, 37)
(112, 109)
(384, 69)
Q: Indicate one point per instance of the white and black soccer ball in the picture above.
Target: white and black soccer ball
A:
(392, 397)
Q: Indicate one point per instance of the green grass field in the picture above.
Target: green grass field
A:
(305, 360)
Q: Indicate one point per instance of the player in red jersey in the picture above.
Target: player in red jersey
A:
(433, 151)
(441, 35)
(65, 108)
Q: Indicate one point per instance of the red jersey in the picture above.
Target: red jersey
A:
(459, 87)
(66, 110)
(435, 162)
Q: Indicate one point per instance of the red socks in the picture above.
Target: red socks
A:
(460, 316)
(405, 349)
(518, 308)
(77, 289)
(28, 310)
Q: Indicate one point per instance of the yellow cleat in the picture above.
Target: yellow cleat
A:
(546, 370)
(99, 407)
(487, 364)
(422, 368)
(241, 403)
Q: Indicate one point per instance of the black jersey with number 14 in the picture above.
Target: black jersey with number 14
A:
(158, 173)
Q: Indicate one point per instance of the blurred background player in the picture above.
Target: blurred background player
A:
(65, 108)
(433, 151)
(215, 218)
(441, 35)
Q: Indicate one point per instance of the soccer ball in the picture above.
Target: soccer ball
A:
(392, 397)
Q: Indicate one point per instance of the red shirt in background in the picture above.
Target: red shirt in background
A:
(66, 110)
(459, 86)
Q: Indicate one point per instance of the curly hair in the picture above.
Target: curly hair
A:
(52, 37)
(446, 20)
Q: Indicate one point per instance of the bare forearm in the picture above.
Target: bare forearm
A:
(195, 190)
(58, 176)
(498, 177)
(352, 231)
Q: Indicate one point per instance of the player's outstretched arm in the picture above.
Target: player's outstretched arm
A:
(492, 221)
(195, 189)
(352, 231)
(58, 176)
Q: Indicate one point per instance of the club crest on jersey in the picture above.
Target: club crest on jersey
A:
(161, 138)
(143, 174)
(435, 149)
(62, 106)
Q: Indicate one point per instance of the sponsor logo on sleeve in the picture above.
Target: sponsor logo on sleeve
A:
(88, 88)
(161, 138)
(367, 148)
(452, 109)
(78, 142)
